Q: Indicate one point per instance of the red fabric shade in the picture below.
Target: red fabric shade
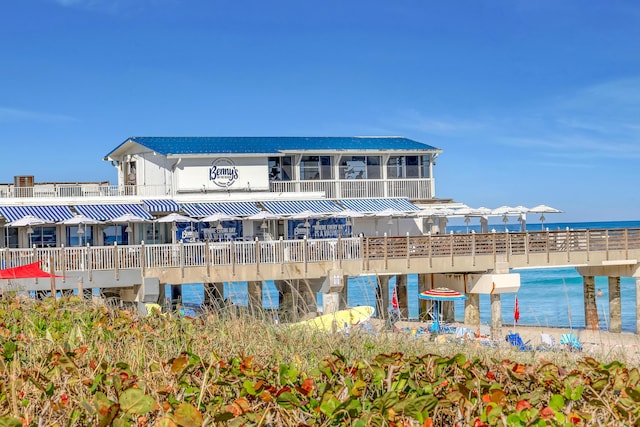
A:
(27, 271)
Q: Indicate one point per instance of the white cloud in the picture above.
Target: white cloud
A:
(601, 120)
(8, 115)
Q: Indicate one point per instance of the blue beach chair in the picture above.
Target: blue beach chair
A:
(516, 340)
(570, 342)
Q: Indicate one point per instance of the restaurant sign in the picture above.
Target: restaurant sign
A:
(223, 172)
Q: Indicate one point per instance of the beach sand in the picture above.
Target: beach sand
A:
(601, 345)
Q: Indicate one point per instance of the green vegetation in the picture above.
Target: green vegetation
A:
(66, 362)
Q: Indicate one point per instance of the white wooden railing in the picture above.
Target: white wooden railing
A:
(364, 249)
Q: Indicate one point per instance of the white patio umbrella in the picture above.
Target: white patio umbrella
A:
(218, 217)
(263, 216)
(350, 215)
(78, 221)
(543, 209)
(173, 218)
(306, 215)
(390, 212)
(28, 221)
(128, 219)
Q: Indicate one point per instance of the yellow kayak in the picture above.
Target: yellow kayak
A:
(340, 320)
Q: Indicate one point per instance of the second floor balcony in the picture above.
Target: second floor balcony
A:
(411, 188)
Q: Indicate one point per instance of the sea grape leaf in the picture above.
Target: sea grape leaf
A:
(288, 400)
(556, 402)
(186, 415)
(134, 401)
(9, 421)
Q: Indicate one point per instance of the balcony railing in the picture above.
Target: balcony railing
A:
(414, 189)
(54, 190)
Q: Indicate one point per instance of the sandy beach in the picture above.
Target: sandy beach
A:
(601, 345)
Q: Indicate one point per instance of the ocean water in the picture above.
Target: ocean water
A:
(547, 296)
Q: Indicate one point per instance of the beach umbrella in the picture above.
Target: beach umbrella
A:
(543, 209)
(436, 295)
(516, 312)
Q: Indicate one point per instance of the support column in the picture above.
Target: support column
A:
(176, 296)
(307, 302)
(472, 310)
(590, 308)
(615, 309)
(425, 282)
(213, 295)
(496, 316)
(637, 305)
(403, 300)
(344, 293)
(162, 296)
(448, 311)
(285, 296)
(254, 292)
(382, 297)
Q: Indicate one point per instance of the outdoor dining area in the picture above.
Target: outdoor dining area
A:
(130, 224)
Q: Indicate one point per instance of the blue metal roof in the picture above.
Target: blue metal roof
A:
(262, 144)
(230, 208)
(50, 213)
(290, 207)
(378, 205)
(107, 212)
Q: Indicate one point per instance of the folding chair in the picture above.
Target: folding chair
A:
(570, 342)
(516, 340)
(547, 342)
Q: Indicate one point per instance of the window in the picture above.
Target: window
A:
(360, 167)
(407, 167)
(280, 168)
(43, 237)
(81, 235)
(315, 167)
(115, 234)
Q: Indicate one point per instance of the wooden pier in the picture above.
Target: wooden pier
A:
(465, 262)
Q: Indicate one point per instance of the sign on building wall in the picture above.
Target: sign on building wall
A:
(223, 172)
(329, 228)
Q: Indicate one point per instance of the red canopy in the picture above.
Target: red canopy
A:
(27, 271)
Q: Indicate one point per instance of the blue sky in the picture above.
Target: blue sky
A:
(531, 101)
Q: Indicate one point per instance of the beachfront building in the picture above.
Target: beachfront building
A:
(265, 188)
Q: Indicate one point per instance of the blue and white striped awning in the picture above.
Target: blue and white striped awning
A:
(290, 207)
(107, 212)
(378, 205)
(198, 210)
(161, 205)
(50, 213)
